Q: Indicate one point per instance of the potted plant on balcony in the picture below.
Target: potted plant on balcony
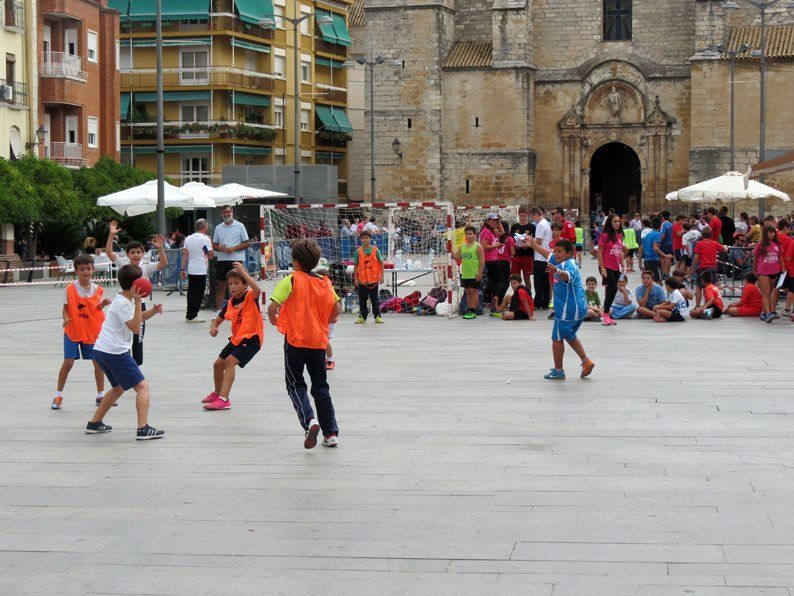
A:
(222, 129)
(333, 138)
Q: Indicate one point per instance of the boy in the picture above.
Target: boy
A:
(302, 307)
(713, 307)
(690, 236)
(556, 235)
(579, 242)
(248, 334)
(650, 249)
(649, 296)
(521, 307)
(330, 362)
(569, 308)
(472, 264)
(705, 260)
(367, 273)
(675, 308)
(594, 311)
(82, 319)
(112, 353)
(524, 258)
(134, 256)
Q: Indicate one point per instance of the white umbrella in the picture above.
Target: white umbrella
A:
(728, 188)
(248, 192)
(143, 199)
(204, 196)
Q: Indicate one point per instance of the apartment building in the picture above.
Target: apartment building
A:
(229, 85)
(78, 80)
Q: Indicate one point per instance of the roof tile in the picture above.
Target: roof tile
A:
(355, 17)
(779, 40)
(468, 54)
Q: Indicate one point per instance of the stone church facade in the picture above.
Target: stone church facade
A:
(583, 103)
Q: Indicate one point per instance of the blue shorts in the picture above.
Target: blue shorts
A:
(565, 330)
(77, 350)
(120, 369)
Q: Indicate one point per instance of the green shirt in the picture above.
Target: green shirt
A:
(283, 290)
(592, 298)
(630, 238)
(368, 252)
(470, 261)
(579, 235)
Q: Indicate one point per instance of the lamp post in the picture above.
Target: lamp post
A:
(269, 23)
(732, 59)
(160, 143)
(762, 6)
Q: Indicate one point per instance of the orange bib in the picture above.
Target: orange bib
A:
(303, 318)
(85, 316)
(370, 269)
(246, 319)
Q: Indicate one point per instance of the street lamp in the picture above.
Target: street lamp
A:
(762, 6)
(397, 146)
(371, 63)
(41, 136)
(732, 55)
(269, 23)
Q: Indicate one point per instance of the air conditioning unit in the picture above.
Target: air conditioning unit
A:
(6, 92)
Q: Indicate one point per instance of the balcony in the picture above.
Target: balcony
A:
(67, 154)
(211, 76)
(210, 129)
(14, 14)
(219, 21)
(63, 65)
(320, 45)
(15, 94)
(331, 93)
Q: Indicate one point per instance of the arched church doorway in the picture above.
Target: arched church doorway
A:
(615, 179)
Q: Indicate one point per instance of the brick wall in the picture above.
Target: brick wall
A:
(473, 20)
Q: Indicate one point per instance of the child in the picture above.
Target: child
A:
(751, 303)
(594, 311)
(556, 234)
(472, 264)
(302, 307)
(705, 259)
(368, 273)
(630, 244)
(649, 296)
(135, 256)
(579, 242)
(713, 307)
(521, 306)
(685, 291)
(330, 362)
(675, 308)
(569, 307)
(82, 319)
(112, 353)
(690, 237)
(767, 265)
(248, 334)
(624, 305)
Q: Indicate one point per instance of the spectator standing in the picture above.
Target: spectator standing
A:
(715, 223)
(229, 241)
(610, 263)
(542, 238)
(523, 260)
(196, 253)
(728, 226)
(568, 229)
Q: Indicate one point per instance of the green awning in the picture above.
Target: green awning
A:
(250, 46)
(326, 29)
(328, 62)
(249, 99)
(340, 28)
(149, 150)
(327, 118)
(341, 120)
(167, 43)
(125, 106)
(172, 10)
(243, 150)
(123, 6)
(253, 11)
(174, 96)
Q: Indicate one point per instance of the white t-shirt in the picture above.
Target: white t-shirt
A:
(543, 235)
(115, 337)
(679, 303)
(645, 232)
(741, 226)
(688, 238)
(81, 291)
(148, 269)
(371, 227)
(196, 257)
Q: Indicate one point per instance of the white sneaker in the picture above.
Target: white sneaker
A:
(330, 441)
(311, 434)
(194, 320)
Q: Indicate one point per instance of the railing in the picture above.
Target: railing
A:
(138, 78)
(62, 64)
(331, 93)
(220, 129)
(18, 93)
(66, 154)
(15, 14)
(181, 178)
(321, 45)
(219, 21)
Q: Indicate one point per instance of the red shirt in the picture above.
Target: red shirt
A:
(713, 293)
(524, 296)
(707, 249)
(716, 228)
(751, 297)
(788, 254)
(678, 230)
(568, 231)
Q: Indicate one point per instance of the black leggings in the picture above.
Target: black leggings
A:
(498, 277)
(611, 282)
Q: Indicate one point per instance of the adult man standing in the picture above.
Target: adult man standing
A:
(229, 242)
(543, 238)
(568, 229)
(728, 226)
(715, 223)
(196, 253)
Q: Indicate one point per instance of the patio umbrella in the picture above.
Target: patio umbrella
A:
(728, 188)
(248, 192)
(205, 196)
(143, 199)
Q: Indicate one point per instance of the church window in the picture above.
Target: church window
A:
(617, 20)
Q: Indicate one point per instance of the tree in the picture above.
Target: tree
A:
(105, 177)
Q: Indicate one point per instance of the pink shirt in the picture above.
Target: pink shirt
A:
(487, 235)
(613, 251)
(769, 264)
(504, 253)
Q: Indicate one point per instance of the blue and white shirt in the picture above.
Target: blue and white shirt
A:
(680, 304)
(569, 298)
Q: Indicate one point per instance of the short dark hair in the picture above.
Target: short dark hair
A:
(233, 273)
(646, 272)
(515, 277)
(589, 279)
(557, 226)
(711, 211)
(706, 232)
(750, 277)
(82, 260)
(535, 211)
(723, 210)
(366, 233)
(306, 252)
(128, 274)
(672, 283)
(565, 244)
(523, 208)
(470, 228)
(706, 278)
(783, 224)
(656, 222)
(666, 214)
(133, 244)
(678, 274)
(577, 223)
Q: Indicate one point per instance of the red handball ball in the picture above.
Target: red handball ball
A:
(143, 285)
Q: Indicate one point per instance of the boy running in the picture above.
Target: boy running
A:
(82, 320)
(302, 307)
(368, 273)
(472, 264)
(248, 334)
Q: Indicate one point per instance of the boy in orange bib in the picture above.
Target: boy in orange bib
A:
(248, 334)
(302, 307)
(368, 273)
(82, 320)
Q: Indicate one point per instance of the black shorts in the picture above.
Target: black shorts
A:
(222, 268)
(579, 247)
(789, 283)
(687, 260)
(676, 317)
(246, 350)
(773, 279)
(716, 312)
(680, 254)
(520, 315)
(700, 272)
(632, 252)
(655, 267)
(470, 284)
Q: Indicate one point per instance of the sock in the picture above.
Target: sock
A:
(223, 398)
(329, 359)
(100, 394)
(59, 394)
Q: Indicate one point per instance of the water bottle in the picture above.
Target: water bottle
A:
(398, 259)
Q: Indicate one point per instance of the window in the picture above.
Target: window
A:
(410, 123)
(93, 47)
(468, 188)
(118, 54)
(125, 59)
(306, 72)
(194, 112)
(195, 169)
(304, 26)
(278, 16)
(250, 60)
(93, 132)
(476, 122)
(279, 65)
(278, 116)
(118, 135)
(617, 20)
(194, 67)
(305, 120)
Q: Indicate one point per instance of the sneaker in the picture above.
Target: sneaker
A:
(635, 315)
(379, 320)
(763, 316)
(555, 375)
(98, 400)
(330, 441)
(360, 320)
(147, 433)
(470, 315)
(550, 315)
(218, 404)
(310, 442)
(496, 315)
(94, 428)
(210, 398)
(708, 313)
(196, 320)
(605, 320)
(772, 316)
(587, 368)
(56, 403)
(330, 365)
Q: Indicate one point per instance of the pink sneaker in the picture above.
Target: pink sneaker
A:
(605, 319)
(210, 398)
(218, 404)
